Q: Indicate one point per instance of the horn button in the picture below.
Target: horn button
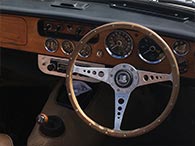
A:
(123, 78)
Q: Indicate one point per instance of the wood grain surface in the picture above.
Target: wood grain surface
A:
(21, 33)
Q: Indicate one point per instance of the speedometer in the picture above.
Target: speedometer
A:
(119, 44)
(150, 51)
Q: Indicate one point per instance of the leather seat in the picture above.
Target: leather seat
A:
(5, 140)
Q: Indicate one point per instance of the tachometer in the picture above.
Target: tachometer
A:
(150, 51)
(119, 44)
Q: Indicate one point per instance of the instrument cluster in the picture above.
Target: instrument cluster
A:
(118, 44)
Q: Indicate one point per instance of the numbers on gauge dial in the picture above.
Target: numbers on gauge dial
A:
(119, 44)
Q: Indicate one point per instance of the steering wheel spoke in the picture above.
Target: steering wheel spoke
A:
(146, 77)
(98, 73)
(121, 100)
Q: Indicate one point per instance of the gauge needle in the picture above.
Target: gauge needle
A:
(114, 47)
(146, 52)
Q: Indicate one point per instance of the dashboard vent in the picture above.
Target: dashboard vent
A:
(70, 5)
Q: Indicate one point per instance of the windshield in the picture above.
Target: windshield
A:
(187, 3)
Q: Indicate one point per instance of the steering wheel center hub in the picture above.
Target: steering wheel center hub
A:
(123, 78)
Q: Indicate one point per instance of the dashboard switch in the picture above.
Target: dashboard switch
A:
(183, 65)
(48, 26)
(79, 31)
(58, 28)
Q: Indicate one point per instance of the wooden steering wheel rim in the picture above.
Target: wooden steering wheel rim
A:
(174, 72)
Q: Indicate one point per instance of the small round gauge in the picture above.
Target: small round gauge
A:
(150, 51)
(181, 48)
(86, 51)
(119, 44)
(67, 47)
(51, 45)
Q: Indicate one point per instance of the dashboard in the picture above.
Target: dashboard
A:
(55, 39)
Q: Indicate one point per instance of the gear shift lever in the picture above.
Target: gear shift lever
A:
(42, 118)
(51, 126)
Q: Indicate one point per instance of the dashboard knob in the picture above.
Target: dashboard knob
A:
(51, 67)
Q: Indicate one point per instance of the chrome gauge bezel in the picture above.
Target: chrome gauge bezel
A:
(148, 61)
(114, 55)
(71, 43)
(151, 62)
(88, 54)
(49, 50)
(188, 48)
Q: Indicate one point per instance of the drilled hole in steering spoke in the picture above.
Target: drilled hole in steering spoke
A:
(152, 77)
(146, 78)
(119, 108)
(121, 101)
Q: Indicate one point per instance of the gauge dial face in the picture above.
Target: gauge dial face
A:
(85, 51)
(181, 48)
(67, 47)
(150, 51)
(51, 45)
(119, 44)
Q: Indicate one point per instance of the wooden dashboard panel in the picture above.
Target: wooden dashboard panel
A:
(27, 38)
(13, 30)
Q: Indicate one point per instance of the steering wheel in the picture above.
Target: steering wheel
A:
(123, 88)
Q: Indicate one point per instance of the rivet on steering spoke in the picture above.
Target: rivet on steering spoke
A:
(69, 94)
(67, 76)
(81, 42)
(76, 110)
(159, 120)
(95, 31)
(90, 124)
(125, 135)
(106, 132)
